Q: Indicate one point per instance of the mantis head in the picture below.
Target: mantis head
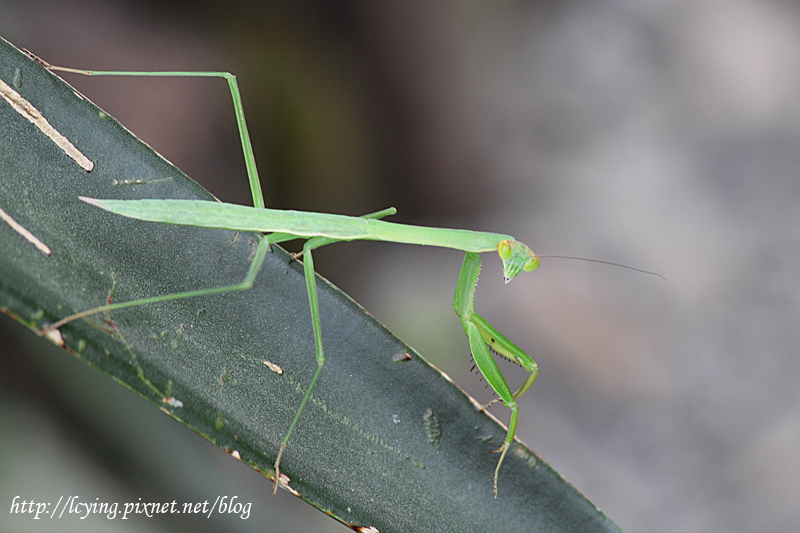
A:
(517, 258)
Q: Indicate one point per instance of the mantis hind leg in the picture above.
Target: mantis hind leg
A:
(233, 86)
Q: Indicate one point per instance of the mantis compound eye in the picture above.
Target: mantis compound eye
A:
(532, 264)
(504, 249)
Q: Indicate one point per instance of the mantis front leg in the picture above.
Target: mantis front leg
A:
(483, 337)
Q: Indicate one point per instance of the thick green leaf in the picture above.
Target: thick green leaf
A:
(387, 442)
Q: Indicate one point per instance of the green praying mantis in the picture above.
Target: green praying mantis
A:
(320, 229)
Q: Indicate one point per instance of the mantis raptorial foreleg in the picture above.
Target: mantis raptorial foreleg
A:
(319, 230)
(483, 337)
